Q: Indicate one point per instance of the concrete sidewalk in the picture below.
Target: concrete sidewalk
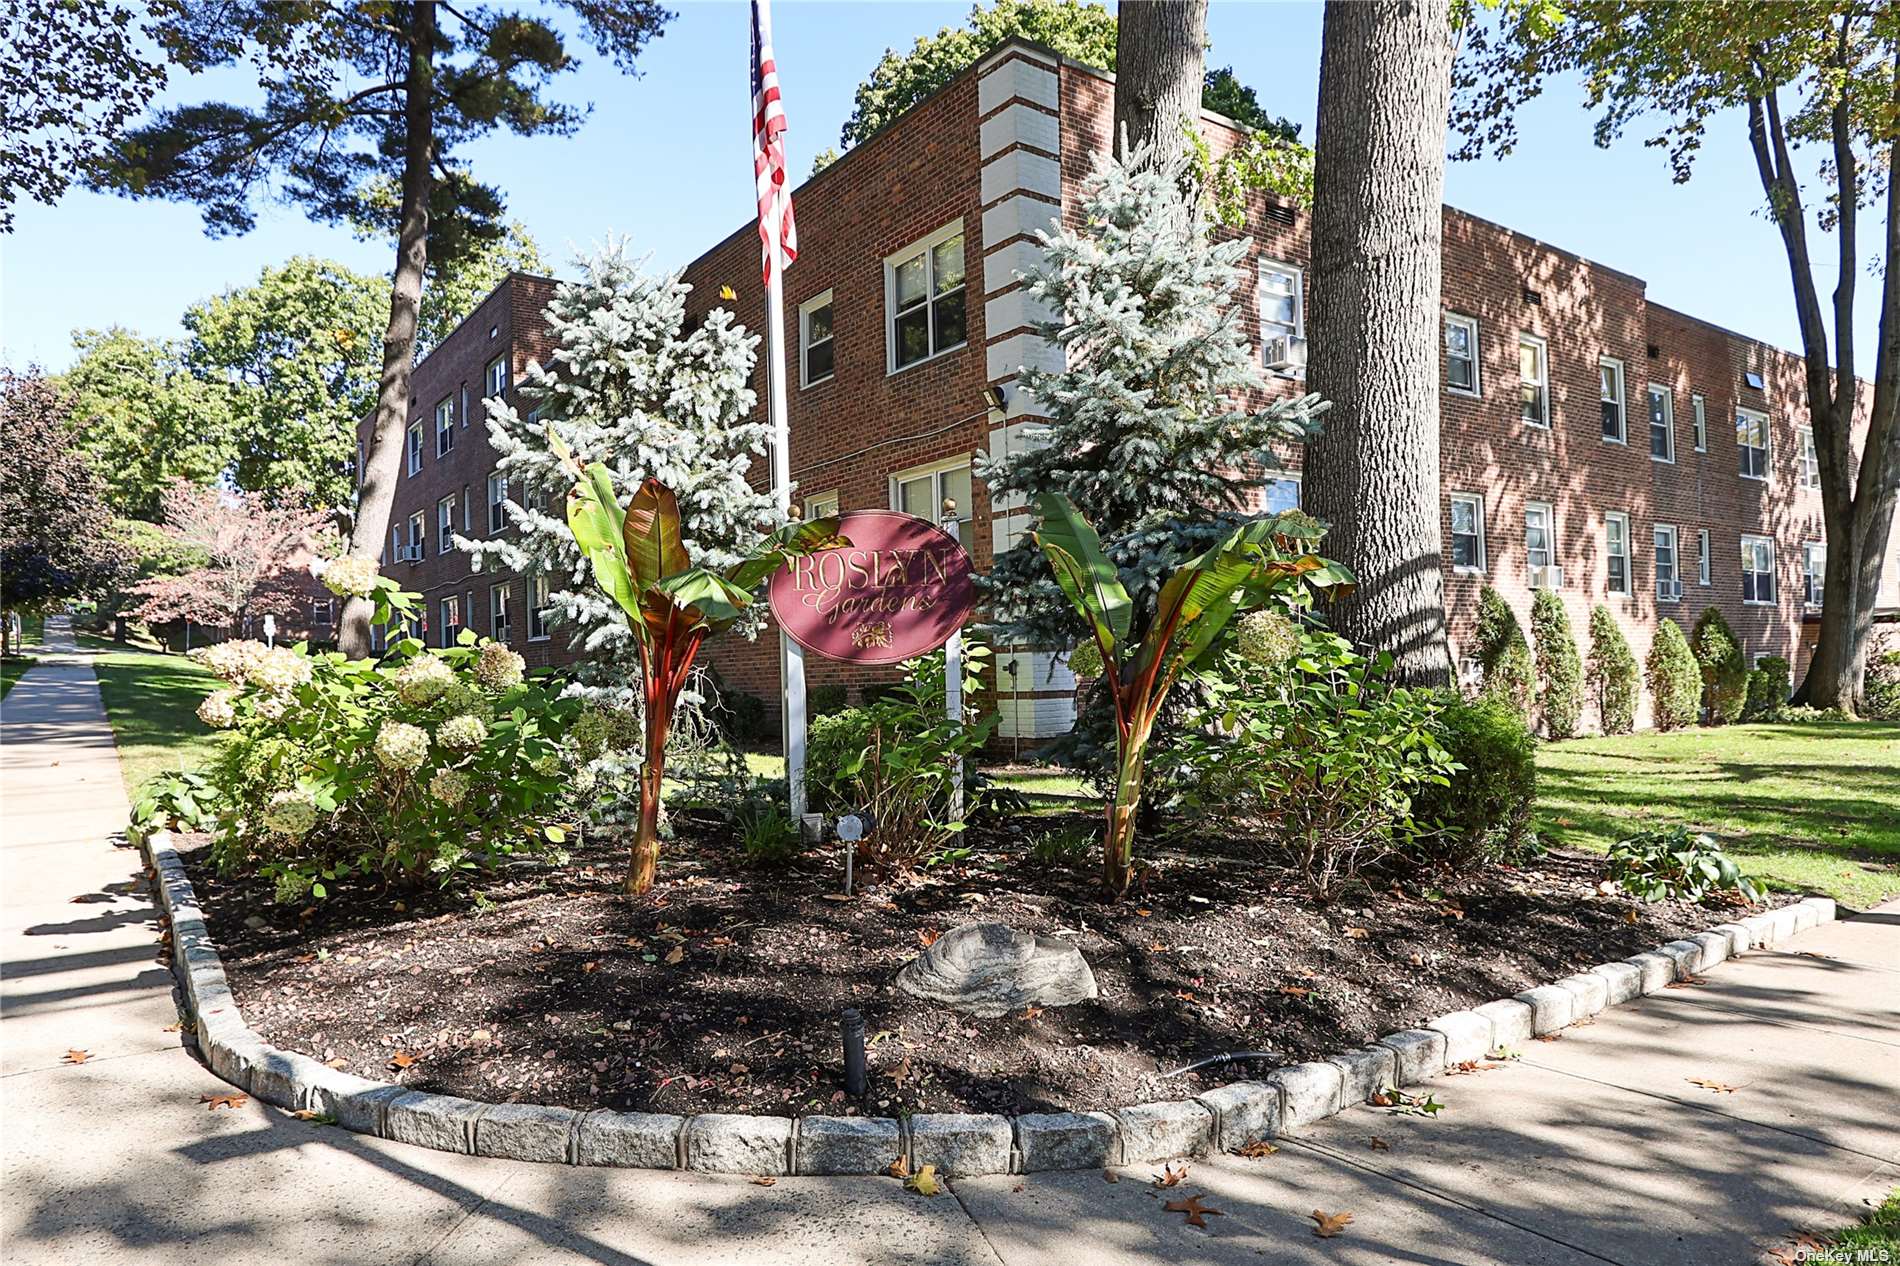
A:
(1594, 1148)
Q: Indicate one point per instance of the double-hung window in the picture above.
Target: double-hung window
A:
(1662, 424)
(815, 364)
(822, 506)
(495, 377)
(1751, 441)
(1610, 389)
(418, 536)
(1700, 408)
(497, 503)
(415, 447)
(538, 605)
(498, 612)
(1461, 354)
(451, 619)
(444, 524)
(1282, 317)
(1668, 576)
(1533, 376)
(1616, 551)
(1703, 562)
(1282, 492)
(444, 426)
(1540, 537)
(923, 491)
(924, 295)
(1810, 460)
(1813, 572)
(1467, 533)
(1758, 570)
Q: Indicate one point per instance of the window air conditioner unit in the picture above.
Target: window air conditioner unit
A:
(1669, 590)
(1551, 577)
(410, 554)
(1286, 352)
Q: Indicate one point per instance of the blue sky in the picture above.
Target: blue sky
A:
(664, 159)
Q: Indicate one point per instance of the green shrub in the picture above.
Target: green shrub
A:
(1768, 689)
(182, 800)
(1883, 686)
(1483, 813)
(740, 717)
(1066, 846)
(831, 743)
(828, 699)
(1320, 755)
(1675, 679)
(1559, 672)
(1723, 667)
(766, 831)
(1613, 675)
(1668, 863)
(1510, 674)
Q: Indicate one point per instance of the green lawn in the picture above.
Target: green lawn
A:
(152, 701)
(12, 668)
(1879, 1230)
(1810, 807)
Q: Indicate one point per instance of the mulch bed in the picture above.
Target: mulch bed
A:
(721, 990)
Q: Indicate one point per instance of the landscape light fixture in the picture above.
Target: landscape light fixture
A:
(997, 396)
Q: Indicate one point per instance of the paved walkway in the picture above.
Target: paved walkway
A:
(1595, 1148)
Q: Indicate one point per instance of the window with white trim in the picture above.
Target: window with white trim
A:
(1282, 492)
(1668, 578)
(495, 377)
(1662, 424)
(1461, 354)
(1703, 561)
(1540, 535)
(322, 614)
(1758, 571)
(1751, 441)
(1810, 460)
(1700, 409)
(497, 503)
(1282, 309)
(924, 295)
(498, 612)
(923, 491)
(1533, 376)
(444, 523)
(1610, 391)
(815, 345)
(822, 506)
(538, 607)
(415, 447)
(1813, 572)
(451, 619)
(1616, 552)
(1467, 533)
(418, 536)
(444, 425)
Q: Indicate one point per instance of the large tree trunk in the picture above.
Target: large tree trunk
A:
(1160, 69)
(1378, 228)
(383, 464)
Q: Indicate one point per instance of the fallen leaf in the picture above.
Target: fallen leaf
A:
(1629, 916)
(1330, 1224)
(403, 1059)
(899, 1168)
(1109, 1175)
(1170, 1176)
(314, 1117)
(1378, 1144)
(214, 1102)
(927, 937)
(1549, 1037)
(1418, 960)
(1719, 1087)
(1357, 934)
(924, 1181)
(1195, 1210)
(765, 1180)
(1031, 1012)
(675, 955)
(76, 1057)
(589, 968)
(1257, 1149)
(1688, 982)
(1296, 990)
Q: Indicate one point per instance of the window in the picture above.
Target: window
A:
(1699, 407)
(1751, 437)
(1662, 424)
(1540, 549)
(1282, 316)
(1533, 374)
(923, 292)
(1702, 560)
(1813, 572)
(1610, 389)
(1461, 354)
(1282, 492)
(537, 608)
(1616, 550)
(444, 523)
(451, 619)
(1758, 570)
(1467, 533)
(445, 426)
(922, 493)
(1810, 460)
(814, 340)
(1668, 581)
(498, 612)
(495, 377)
(822, 506)
(497, 503)
(322, 612)
(415, 447)
(418, 537)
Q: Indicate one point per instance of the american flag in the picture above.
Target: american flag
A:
(776, 227)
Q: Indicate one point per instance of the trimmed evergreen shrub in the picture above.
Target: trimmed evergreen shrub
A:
(1883, 686)
(1768, 689)
(1484, 813)
(1723, 667)
(1613, 676)
(1559, 672)
(829, 699)
(1675, 679)
(1510, 674)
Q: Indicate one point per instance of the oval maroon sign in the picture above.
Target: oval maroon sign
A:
(900, 589)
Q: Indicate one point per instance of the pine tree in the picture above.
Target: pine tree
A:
(629, 387)
(1675, 679)
(1724, 670)
(1612, 674)
(1149, 433)
(1559, 673)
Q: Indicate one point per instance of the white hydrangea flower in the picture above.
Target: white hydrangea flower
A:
(280, 671)
(462, 734)
(217, 711)
(449, 786)
(1266, 637)
(1086, 659)
(347, 577)
(291, 814)
(499, 668)
(422, 680)
(547, 766)
(586, 780)
(462, 697)
(273, 707)
(401, 747)
(232, 661)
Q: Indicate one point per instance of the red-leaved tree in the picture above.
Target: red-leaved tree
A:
(257, 558)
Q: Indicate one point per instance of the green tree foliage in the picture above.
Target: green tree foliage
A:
(144, 418)
(1723, 667)
(1769, 687)
(150, 553)
(1510, 674)
(297, 353)
(1559, 671)
(1226, 95)
(1675, 679)
(1612, 675)
(53, 546)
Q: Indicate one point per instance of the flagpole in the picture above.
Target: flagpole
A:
(791, 656)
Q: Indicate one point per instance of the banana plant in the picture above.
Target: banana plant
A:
(640, 561)
(1262, 561)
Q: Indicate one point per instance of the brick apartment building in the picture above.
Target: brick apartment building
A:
(1595, 443)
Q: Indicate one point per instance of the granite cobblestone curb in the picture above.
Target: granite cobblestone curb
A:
(1226, 1118)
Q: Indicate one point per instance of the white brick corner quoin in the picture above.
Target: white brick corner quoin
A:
(1223, 1119)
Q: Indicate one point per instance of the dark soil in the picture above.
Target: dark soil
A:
(721, 990)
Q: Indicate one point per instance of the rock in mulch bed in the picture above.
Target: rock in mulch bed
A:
(720, 991)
